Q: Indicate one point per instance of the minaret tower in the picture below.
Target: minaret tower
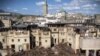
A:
(45, 8)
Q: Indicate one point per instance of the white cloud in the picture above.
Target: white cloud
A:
(40, 3)
(73, 5)
(89, 1)
(76, 7)
(66, 7)
(95, 5)
(56, 6)
(51, 8)
(71, 8)
(89, 6)
(25, 8)
(85, 0)
(58, 0)
(65, 4)
(15, 10)
(8, 8)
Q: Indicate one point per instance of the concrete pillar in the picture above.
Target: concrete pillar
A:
(94, 53)
(87, 52)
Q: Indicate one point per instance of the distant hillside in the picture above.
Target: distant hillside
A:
(2, 10)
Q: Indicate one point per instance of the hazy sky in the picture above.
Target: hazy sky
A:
(35, 6)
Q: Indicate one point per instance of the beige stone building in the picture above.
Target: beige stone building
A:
(97, 18)
(72, 35)
(77, 36)
(41, 36)
(61, 33)
(58, 33)
(45, 37)
(16, 39)
(34, 37)
(5, 23)
(88, 43)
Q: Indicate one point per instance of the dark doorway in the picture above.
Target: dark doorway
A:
(55, 40)
(1, 46)
(39, 43)
(83, 52)
(52, 41)
(62, 40)
(27, 46)
(70, 44)
(91, 52)
(77, 30)
(13, 46)
(32, 42)
(98, 53)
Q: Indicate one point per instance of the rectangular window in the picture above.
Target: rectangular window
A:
(18, 33)
(25, 40)
(62, 40)
(3, 33)
(7, 47)
(11, 32)
(55, 29)
(12, 40)
(3, 40)
(39, 33)
(45, 40)
(40, 43)
(46, 33)
(18, 40)
(24, 32)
